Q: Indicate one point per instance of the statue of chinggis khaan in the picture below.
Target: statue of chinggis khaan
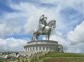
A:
(44, 28)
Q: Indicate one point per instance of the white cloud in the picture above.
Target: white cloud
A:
(77, 48)
(76, 4)
(12, 23)
(31, 13)
(12, 44)
(76, 39)
(2, 29)
(78, 34)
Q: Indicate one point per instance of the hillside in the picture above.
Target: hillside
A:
(64, 57)
(50, 57)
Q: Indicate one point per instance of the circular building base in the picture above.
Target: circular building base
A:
(43, 46)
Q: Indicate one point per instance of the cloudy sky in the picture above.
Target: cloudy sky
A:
(19, 18)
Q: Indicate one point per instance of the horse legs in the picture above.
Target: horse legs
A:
(48, 37)
(35, 36)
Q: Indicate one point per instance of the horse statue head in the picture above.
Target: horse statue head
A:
(52, 24)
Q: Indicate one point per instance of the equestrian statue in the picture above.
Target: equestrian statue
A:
(44, 28)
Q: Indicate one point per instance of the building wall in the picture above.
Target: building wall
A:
(41, 48)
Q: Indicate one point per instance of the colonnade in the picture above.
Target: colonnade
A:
(41, 48)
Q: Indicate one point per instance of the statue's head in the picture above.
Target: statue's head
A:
(42, 16)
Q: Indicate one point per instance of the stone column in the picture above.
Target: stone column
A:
(48, 48)
(29, 48)
(34, 48)
(45, 48)
(41, 48)
(26, 49)
(38, 49)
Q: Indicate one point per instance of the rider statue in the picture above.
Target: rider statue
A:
(42, 22)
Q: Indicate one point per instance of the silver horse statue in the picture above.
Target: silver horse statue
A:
(44, 28)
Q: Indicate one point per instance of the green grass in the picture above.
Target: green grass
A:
(52, 57)
(63, 57)
(1, 61)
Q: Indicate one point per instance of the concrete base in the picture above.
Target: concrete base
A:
(43, 46)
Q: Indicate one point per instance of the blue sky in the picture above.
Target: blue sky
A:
(19, 18)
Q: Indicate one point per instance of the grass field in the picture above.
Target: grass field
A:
(51, 57)
(64, 57)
